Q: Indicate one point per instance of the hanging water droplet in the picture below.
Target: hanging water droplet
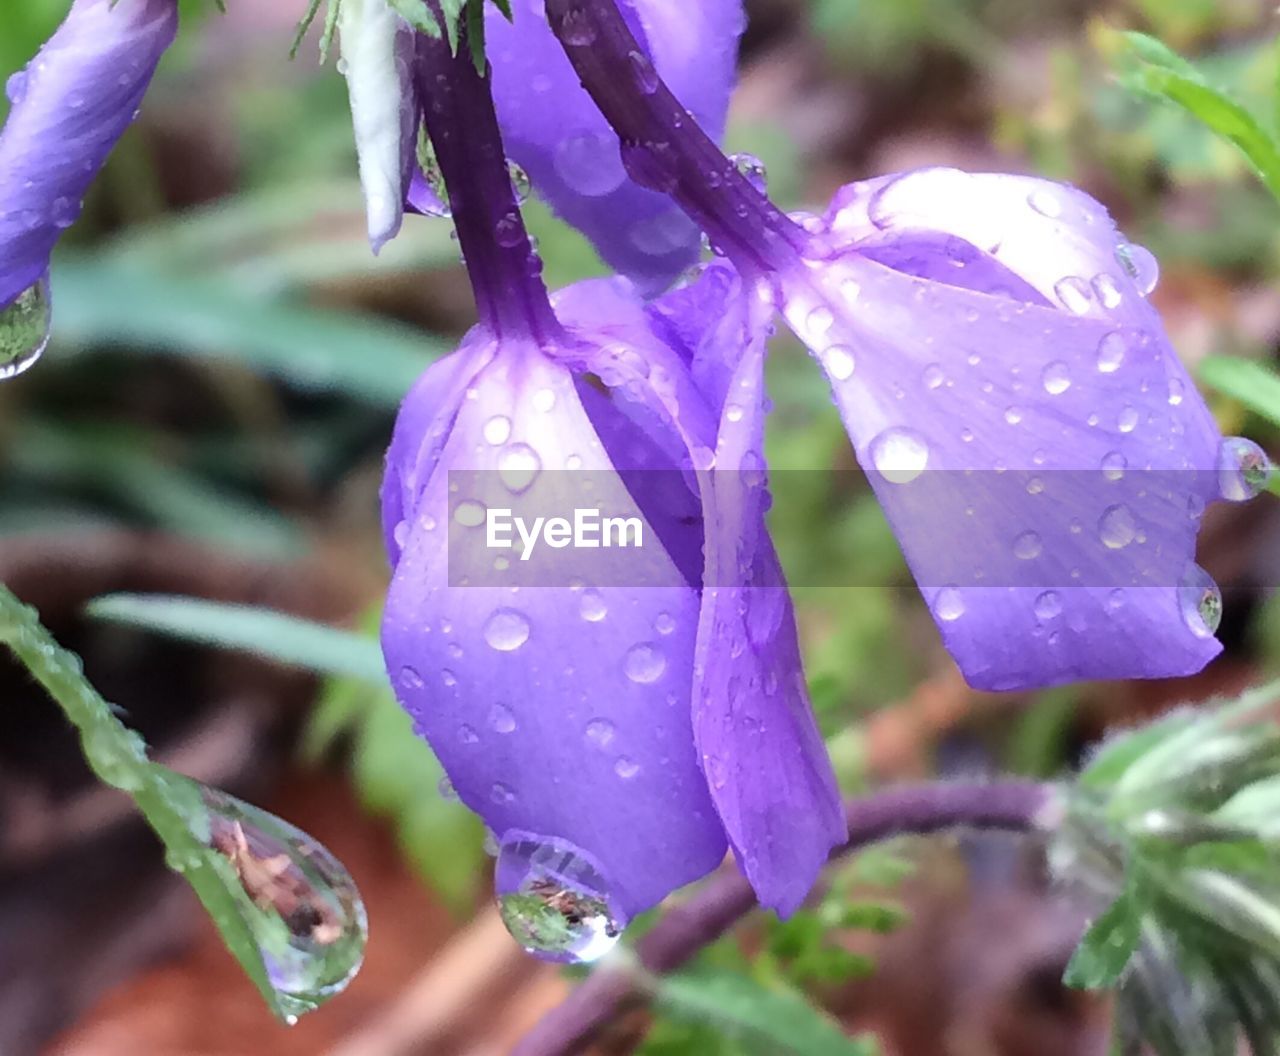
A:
(15, 88)
(506, 630)
(24, 329)
(1140, 265)
(1048, 605)
(601, 732)
(1028, 545)
(518, 467)
(949, 604)
(753, 169)
(497, 430)
(899, 455)
(1056, 378)
(592, 606)
(839, 362)
(1075, 294)
(1117, 527)
(302, 906)
(502, 719)
(644, 663)
(1111, 350)
(1200, 601)
(1243, 469)
(520, 182)
(554, 900)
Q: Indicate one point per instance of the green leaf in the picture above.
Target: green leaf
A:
(418, 15)
(1160, 73)
(362, 357)
(169, 803)
(762, 1020)
(265, 633)
(1254, 384)
(1107, 947)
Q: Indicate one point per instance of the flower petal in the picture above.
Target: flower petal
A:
(70, 105)
(560, 710)
(556, 133)
(1044, 470)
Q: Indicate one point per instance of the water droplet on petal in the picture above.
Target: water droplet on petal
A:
(626, 768)
(518, 467)
(1140, 265)
(1045, 202)
(1127, 421)
(521, 185)
(501, 719)
(1111, 351)
(899, 455)
(601, 732)
(1243, 469)
(590, 164)
(1056, 378)
(934, 376)
(447, 792)
(544, 401)
(839, 362)
(1117, 527)
(1075, 294)
(1109, 295)
(1013, 415)
(1177, 390)
(1048, 605)
(644, 663)
(15, 88)
(1200, 601)
(753, 169)
(592, 606)
(501, 795)
(305, 914)
(470, 514)
(664, 624)
(1113, 465)
(506, 630)
(949, 604)
(1028, 545)
(554, 900)
(24, 329)
(497, 430)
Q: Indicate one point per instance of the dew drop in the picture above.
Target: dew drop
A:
(518, 467)
(1075, 294)
(15, 88)
(467, 735)
(1109, 295)
(933, 376)
(1200, 601)
(899, 454)
(501, 719)
(734, 412)
(1045, 203)
(447, 792)
(838, 361)
(1013, 415)
(820, 320)
(1177, 391)
(1117, 527)
(1113, 465)
(1056, 378)
(1111, 351)
(1139, 264)
(644, 663)
(626, 768)
(592, 606)
(521, 185)
(502, 795)
(401, 534)
(664, 624)
(554, 900)
(299, 902)
(1243, 469)
(753, 169)
(601, 732)
(544, 401)
(1048, 605)
(24, 329)
(576, 30)
(1028, 545)
(590, 164)
(643, 73)
(949, 604)
(1128, 419)
(506, 630)
(410, 679)
(497, 430)
(470, 514)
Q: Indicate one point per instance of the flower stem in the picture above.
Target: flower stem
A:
(663, 147)
(511, 298)
(1014, 806)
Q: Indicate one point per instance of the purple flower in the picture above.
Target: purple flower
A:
(557, 134)
(1040, 452)
(70, 105)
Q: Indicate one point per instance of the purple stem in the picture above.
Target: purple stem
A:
(1014, 806)
(663, 147)
(505, 272)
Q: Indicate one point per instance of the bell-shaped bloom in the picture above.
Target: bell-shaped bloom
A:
(556, 133)
(1036, 444)
(627, 711)
(70, 105)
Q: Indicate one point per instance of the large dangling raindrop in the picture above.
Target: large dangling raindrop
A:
(24, 329)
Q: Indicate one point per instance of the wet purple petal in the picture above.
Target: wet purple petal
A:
(559, 710)
(1043, 459)
(555, 132)
(70, 105)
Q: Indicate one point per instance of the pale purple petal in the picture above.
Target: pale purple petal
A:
(553, 129)
(1042, 457)
(70, 105)
(559, 710)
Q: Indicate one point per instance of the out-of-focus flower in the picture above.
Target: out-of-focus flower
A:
(70, 105)
(557, 134)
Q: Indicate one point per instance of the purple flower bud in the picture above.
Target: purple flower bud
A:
(558, 135)
(70, 105)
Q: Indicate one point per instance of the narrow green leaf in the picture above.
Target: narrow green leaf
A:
(766, 1021)
(417, 14)
(263, 632)
(169, 803)
(1156, 53)
(1254, 384)
(1105, 950)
